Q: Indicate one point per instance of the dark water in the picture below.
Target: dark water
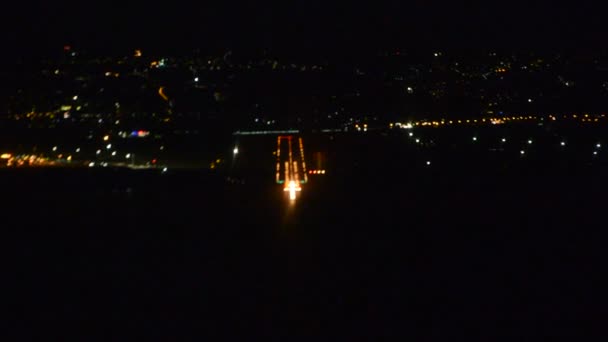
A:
(384, 250)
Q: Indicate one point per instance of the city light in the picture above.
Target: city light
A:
(92, 164)
(108, 146)
(474, 138)
(54, 148)
(98, 152)
(563, 143)
(428, 162)
(165, 169)
(106, 138)
(522, 152)
(113, 153)
(529, 142)
(6, 156)
(128, 155)
(78, 150)
(236, 150)
(504, 140)
(598, 145)
(75, 97)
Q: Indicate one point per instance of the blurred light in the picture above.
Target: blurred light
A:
(54, 148)
(529, 100)
(417, 141)
(504, 140)
(113, 153)
(98, 152)
(474, 138)
(529, 142)
(78, 150)
(128, 155)
(196, 79)
(595, 153)
(411, 134)
(106, 138)
(91, 164)
(522, 152)
(598, 145)
(428, 162)
(75, 97)
(162, 148)
(236, 150)
(69, 158)
(137, 53)
(109, 146)
(563, 143)
(165, 169)
(6, 156)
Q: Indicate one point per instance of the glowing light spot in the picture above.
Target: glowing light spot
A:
(161, 92)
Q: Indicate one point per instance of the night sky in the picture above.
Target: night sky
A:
(299, 25)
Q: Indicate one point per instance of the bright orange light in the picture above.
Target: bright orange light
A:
(292, 188)
(137, 53)
(161, 92)
(6, 156)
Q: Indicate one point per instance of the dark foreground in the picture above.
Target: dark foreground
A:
(435, 254)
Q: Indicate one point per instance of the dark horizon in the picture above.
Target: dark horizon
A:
(299, 26)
